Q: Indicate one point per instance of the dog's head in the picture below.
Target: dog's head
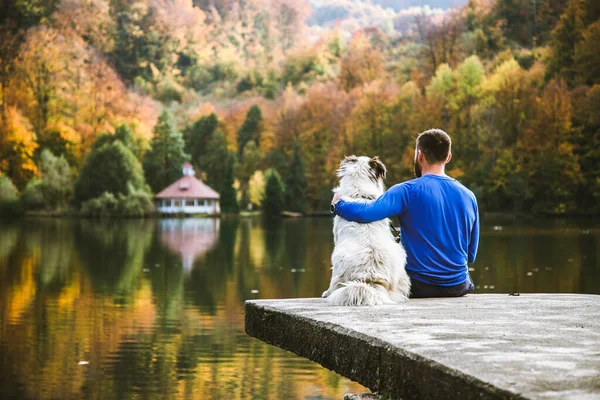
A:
(362, 169)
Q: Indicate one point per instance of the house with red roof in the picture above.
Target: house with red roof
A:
(188, 195)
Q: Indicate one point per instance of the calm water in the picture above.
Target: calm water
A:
(154, 308)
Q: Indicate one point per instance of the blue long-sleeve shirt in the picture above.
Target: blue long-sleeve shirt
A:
(439, 222)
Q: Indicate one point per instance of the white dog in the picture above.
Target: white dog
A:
(367, 263)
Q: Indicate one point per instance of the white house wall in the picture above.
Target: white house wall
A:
(210, 206)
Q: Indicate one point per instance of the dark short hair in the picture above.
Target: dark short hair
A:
(435, 144)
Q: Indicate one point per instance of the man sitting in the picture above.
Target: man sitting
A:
(439, 220)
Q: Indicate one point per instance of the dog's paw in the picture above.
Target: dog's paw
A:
(325, 294)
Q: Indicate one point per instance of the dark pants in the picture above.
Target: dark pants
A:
(419, 289)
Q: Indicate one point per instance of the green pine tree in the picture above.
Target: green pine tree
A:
(216, 161)
(228, 198)
(251, 129)
(273, 202)
(296, 183)
(163, 162)
(198, 136)
(125, 135)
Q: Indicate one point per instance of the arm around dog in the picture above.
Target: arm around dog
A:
(393, 202)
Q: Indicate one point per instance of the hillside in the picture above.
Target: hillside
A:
(244, 87)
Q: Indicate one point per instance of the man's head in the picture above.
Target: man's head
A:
(433, 148)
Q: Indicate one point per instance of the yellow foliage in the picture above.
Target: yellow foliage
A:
(18, 137)
(256, 190)
(23, 294)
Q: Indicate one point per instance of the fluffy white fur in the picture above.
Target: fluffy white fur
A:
(367, 263)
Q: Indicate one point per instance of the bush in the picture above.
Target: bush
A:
(111, 168)
(103, 206)
(8, 191)
(9, 198)
(136, 203)
(32, 197)
(57, 180)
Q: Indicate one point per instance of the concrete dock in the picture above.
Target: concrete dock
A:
(484, 346)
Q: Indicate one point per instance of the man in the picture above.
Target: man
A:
(439, 220)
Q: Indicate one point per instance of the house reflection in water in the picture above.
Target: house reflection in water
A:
(189, 237)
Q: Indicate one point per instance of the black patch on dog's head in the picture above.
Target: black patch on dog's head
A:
(377, 167)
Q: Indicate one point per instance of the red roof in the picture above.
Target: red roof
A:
(188, 187)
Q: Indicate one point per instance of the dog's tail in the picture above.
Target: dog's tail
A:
(356, 293)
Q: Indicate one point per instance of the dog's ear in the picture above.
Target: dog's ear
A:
(349, 159)
(378, 167)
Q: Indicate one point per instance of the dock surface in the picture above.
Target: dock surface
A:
(482, 346)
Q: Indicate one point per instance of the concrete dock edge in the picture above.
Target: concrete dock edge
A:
(371, 362)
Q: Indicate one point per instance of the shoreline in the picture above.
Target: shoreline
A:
(69, 214)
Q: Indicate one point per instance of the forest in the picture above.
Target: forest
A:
(102, 101)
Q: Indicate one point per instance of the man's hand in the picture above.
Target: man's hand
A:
(336, 197)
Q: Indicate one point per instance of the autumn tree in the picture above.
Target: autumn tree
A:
(320, 129)
(439, 40)
(518, 18)
(362, 63)
(256, 188)
(586, 58)
(17, 148)
(586, 120)
(153, 41)
(164, 160)
(247, 165)
(566, 38)
(548, 156)
(469, 75)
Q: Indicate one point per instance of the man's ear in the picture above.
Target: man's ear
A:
(377, 166)
(449, 158)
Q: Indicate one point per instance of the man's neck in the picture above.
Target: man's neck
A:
(434, 169)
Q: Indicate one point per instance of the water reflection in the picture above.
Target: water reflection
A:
(156, 306)
(190, 238)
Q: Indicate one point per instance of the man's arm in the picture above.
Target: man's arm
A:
(393, 202)
(474, 239)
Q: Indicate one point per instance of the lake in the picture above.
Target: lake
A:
(154, 308)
